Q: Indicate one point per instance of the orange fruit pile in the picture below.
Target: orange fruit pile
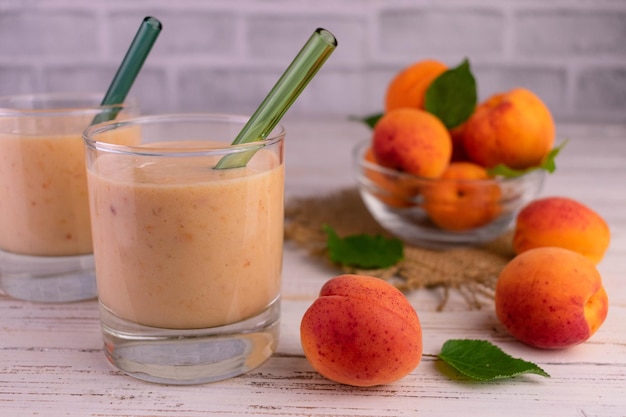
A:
(513, 128)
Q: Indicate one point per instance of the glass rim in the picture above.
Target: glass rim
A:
(277, 135)
(92, 104)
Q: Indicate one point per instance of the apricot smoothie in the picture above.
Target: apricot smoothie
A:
(52, 215)
(181, 245)
(44, 207)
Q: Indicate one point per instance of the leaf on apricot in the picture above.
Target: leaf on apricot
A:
(363, 251)
(482, 360)
(370, 120)
(548, 164)
(452, 96)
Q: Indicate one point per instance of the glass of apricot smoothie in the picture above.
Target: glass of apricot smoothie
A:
(45, 236)
(188, 256)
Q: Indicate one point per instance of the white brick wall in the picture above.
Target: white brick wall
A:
(224, 55)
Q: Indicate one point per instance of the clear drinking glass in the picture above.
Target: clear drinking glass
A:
(188, 257)
(45, 236)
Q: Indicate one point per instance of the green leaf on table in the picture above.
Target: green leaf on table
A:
(363, 251)
(482, 360)
(548, 164)
(452, 96)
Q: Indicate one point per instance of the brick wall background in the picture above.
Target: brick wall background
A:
(224, 55)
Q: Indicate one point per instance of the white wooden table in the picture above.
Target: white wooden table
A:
(51, 363)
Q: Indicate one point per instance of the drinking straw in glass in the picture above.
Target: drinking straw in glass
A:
(302, 69)
(129, 68)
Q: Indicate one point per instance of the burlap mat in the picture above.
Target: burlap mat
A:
(472, 271)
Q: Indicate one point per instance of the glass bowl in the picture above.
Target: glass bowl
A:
(441, 213)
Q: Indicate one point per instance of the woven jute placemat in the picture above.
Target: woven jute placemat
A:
(472, 271)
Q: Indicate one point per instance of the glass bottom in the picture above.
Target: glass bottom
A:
(51, 279)
(186, 357)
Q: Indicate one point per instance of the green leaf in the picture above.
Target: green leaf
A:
(370, 120)
(363, 251)
(502, 170)
(481, 360)
(452, 96)
(548, 164)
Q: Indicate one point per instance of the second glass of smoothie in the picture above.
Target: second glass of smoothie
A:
(45, 236)
(188, 257)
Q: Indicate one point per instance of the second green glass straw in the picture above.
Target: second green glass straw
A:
(129, 68)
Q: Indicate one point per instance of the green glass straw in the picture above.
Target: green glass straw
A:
(129, 68)
(289, 86)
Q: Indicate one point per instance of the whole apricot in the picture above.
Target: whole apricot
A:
(393, 188)
(463, 198)
(562, 222)
(361, 331)
(513, 128)
(408, 87)
(412, 141)
(551, 298)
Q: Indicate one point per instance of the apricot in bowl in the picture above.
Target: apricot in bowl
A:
(446, 211)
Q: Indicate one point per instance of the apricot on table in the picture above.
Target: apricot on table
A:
(408, 87)
(551, 298)
(412, 141)
(513, 128)
(562, 222)
(361, 331)
(464, 197)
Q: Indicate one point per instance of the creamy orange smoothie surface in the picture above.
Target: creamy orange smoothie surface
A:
(44, 208)
(181, 245)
